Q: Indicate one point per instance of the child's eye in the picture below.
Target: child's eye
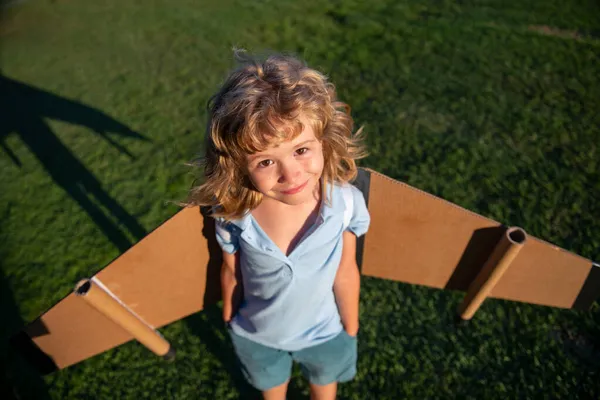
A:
(301, 150)
(264, 163)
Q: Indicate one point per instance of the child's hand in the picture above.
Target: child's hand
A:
(351, 331)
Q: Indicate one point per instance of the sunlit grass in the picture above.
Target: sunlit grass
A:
(471, 101)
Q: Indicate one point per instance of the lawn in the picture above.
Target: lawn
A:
(490, 104)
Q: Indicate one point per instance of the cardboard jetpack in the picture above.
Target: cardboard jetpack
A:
(414, 237)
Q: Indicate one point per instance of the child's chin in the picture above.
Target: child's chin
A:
(296, 200)
(293, 200)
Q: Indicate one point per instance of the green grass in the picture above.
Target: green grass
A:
(467, 100)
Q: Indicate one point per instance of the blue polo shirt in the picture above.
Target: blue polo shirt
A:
(288, 300)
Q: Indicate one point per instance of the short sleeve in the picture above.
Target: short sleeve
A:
(359, 223)
(226, 236)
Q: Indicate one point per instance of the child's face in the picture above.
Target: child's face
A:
(289, 172)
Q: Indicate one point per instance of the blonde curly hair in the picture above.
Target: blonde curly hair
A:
(258, 106)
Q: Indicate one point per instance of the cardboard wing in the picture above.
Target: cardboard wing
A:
(435, 243)
(414, 237)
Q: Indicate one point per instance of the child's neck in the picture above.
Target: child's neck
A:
(286, 224)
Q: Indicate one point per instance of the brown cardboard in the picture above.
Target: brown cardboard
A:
(439, 244)
(93, 292)
(501, 258)
(162, 279)
(414, 238)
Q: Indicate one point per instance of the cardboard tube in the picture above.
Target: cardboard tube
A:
(99, 297)
(504, 253)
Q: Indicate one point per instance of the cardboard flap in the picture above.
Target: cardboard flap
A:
(163, 278)
(421, 239)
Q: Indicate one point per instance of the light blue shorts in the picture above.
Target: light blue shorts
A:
(265, 367)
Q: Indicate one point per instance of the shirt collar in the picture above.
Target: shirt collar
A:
(328, 210)
(243, 222)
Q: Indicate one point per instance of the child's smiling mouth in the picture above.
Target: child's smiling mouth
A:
(295, 190)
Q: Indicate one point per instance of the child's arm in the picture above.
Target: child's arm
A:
(231, 285)
(346, 286)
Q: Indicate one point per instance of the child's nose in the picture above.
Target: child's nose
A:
(289, 172)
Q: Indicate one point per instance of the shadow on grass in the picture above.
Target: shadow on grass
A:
(18, 379)
(24, 111)
(209, 327)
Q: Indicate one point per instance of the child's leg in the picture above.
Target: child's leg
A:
(265, 368)
(326, 364)
(323, 392)
(276, 393)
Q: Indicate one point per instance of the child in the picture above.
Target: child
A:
(280, 153)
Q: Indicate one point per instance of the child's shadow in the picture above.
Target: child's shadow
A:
(208, 324)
